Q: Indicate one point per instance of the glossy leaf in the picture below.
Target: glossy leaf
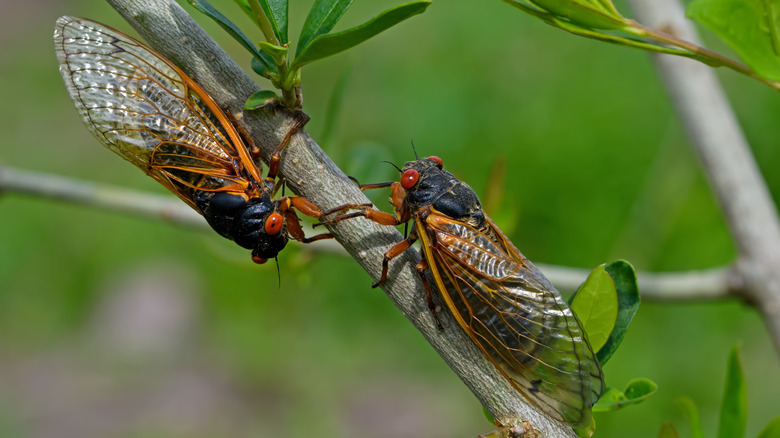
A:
(637, 391)
(623, 275)
(327, 45)
(276, 13)
(595, 14)
(323, 15)
(277, 52)
(207, 9)
(259, 99)
(772, 430)
(668, 431)
(595, 304)
(733, 410)
(750, 27)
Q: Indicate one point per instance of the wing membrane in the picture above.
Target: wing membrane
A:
(146, 110)
(516, 317)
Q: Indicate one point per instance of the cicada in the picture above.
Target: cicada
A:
(145, 109)
(497, 296)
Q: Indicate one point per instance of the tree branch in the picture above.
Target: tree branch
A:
(310, 173)
(711, 284)
(725, 155)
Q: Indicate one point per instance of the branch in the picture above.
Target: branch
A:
(712, 284)
(725, 155)
(310, 173)
(102, 195)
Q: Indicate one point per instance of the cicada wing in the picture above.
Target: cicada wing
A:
(516, 317)
(148, 111)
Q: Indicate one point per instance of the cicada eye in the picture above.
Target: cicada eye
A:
(258, 260)
(409, 178)
(274, 224)
(437, 159)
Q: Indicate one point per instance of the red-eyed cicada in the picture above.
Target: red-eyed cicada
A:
(502, 301)
(146, 110)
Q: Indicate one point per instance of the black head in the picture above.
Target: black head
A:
(424, 181)
(261, 228)
(428, 184)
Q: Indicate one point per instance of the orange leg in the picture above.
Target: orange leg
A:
(296, 231)
(254, 151)
(377, 216)
(392, 253)
(273, 164)
(421, 268)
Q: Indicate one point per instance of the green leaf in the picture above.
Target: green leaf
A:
(733, 410)
(772, 430)
(205, 7)
(596, 14)
(276, 12)
(750, 27)
(637, 391)
(276, 52)
(596, 306)
(692, 414)
(668, 431)
(259, 99)
(321, 19)
(623, 275)
(327, 45)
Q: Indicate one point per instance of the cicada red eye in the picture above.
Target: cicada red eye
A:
(274, 223)
(409, 178)
(436, 159)
(259, 260)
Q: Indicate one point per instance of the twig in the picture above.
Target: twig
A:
(103, 195)
(732, 171)
(718, 283)
(310, 173)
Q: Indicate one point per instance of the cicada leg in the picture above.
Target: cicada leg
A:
(421, 268)
(254, 151)
(301, 119)
(392, 253)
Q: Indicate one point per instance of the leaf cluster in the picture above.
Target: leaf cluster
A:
(750, 27)
(272, 58)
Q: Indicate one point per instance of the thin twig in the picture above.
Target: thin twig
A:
(718, 283)
(725, 155)
(104, 196)
(310, 173)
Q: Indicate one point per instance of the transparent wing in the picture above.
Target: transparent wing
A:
(516, 317)
(145, 109)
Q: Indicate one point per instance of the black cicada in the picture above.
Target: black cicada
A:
(504, 303)
(145, 109)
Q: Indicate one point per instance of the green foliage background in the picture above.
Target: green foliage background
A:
(597, 168)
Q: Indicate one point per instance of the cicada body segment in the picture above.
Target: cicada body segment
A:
(146, 110)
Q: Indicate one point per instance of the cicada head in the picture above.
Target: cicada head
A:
(262, 229)
(254, 224)
(427, 184)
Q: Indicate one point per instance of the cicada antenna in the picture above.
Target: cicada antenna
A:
(392, 164)
(278, 273)
(411, 140)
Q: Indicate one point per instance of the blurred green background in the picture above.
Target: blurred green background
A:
(115, 326)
